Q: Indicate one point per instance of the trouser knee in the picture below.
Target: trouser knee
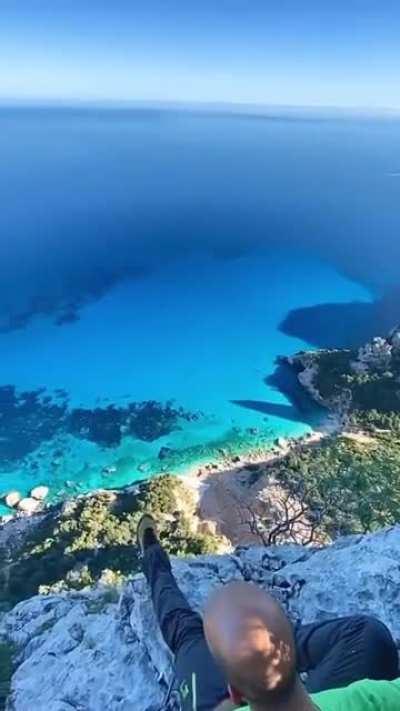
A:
(180, 628)
(374, 630)
(378, 645)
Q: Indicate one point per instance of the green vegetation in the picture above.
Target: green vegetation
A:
(6, 670)
(93, 539)
(372, 420)
(350, 482)
(376, 389)
(333, 369)
(349, 486)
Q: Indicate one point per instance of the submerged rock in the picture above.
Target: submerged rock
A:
(109, 654)
(166, 452)
(36, 418)
(27, 420)
(281, 442)
(111, 469)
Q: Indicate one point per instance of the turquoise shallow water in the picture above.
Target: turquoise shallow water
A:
(158, 256)
(204, 333)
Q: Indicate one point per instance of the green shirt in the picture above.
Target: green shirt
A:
(361, 696)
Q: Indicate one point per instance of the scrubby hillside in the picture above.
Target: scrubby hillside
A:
(358, 381)
(92, 538)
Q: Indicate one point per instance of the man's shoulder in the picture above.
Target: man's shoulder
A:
(363, 695)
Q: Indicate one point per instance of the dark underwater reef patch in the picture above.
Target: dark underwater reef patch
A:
(29, 419)
(147, 421)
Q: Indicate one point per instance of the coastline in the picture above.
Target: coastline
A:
(349, 385)
(237, 477)
(71, 466)
(338, 479)
(229, 458)
(217, 487)
(221, 488)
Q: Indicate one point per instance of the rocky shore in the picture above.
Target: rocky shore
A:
(343, 380)
(234, 495)
(230, 484)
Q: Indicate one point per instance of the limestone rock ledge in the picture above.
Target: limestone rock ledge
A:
(102, 649)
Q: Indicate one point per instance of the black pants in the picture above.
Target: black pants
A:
(333, 653)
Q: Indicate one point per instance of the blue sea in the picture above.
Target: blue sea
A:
(155, 263)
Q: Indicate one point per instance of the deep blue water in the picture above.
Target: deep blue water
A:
(164, 255)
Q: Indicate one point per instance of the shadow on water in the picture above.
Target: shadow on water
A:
(286, 412)
(343, 325)
(324, 326)
(301, 409)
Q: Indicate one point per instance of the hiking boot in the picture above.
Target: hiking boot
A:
(146, 532)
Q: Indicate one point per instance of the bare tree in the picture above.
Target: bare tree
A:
(278, 515)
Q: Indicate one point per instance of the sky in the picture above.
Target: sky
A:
(280, 52)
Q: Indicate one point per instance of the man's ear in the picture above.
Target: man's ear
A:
(235, 695)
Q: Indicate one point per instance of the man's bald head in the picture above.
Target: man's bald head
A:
(252, 639)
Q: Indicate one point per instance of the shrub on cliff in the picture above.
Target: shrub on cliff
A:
(371, 420)
(374, 388)
(352, 487)
(333, 368)
(73, 547)
(6, 671)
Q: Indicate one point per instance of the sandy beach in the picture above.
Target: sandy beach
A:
(228, 491)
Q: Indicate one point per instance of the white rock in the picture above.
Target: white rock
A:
(377, 354)
(29, 505)
(39, 492)
(395, 338)
(307, 378)
(12, 498)
(109, 655)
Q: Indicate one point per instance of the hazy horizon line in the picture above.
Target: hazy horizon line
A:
(212, 106)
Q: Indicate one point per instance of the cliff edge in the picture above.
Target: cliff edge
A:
(101, 648)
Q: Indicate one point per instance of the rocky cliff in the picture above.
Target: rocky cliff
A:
(102, 649)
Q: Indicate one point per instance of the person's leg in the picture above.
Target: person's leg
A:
(337, 652)
(200, 682)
